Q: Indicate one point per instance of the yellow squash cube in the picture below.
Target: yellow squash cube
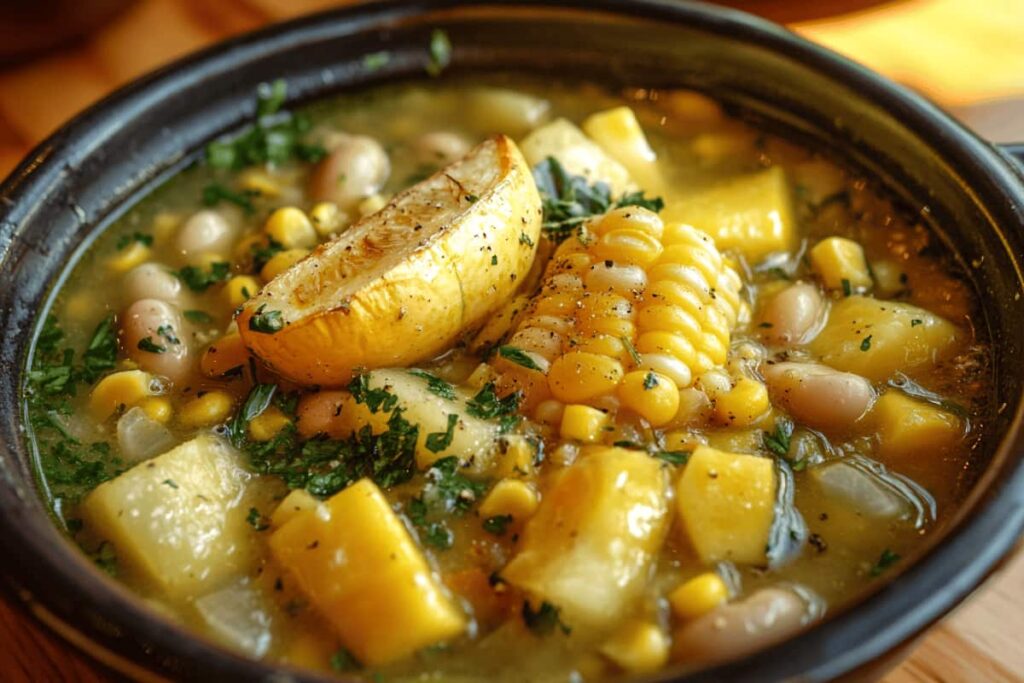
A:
(752, 214)
(911, 428)
(727, 504)
(875, 338)
(590, 545)
(840, 264)
(176, 521)
(619, 134)
(356, 562)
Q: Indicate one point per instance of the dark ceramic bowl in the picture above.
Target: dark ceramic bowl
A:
(80, 179)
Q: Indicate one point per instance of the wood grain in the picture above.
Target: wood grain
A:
(968, 56)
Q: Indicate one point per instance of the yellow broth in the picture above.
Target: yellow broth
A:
(837, 554)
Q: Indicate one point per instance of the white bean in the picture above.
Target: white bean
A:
(793, 316)
(356, 168)
(151, 281)
(206, 232)
(440, 148)
(740, 628)
(818, 395)
(149, 325)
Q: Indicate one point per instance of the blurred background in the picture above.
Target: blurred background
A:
(59, 56)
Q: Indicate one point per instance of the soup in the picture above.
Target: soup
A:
(506, 379)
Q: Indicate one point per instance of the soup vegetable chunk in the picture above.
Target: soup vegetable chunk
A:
(507, 380)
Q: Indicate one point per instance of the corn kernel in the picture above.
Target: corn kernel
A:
(840, 263)
(638, 647)
(328, 219)
(119, 390)
(605, 345)
(742, 405)
(132, 255)
(240, 289)
(268, 424)
(628, 246)
(578, 376)
(371, 204)
(258, 181)
(295, 502)
(224, 355)
(164, 226)
(651, 395)
(282, 261)
(510, 497)
(289, 227)
(631, 218)
(211, 408)
(698, 596)
(584, 423)
(157, 408)
(549, 412)
(517, 457)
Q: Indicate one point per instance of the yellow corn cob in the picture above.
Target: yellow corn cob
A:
(627, 293)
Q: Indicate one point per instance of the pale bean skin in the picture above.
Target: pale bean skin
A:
(819, 396)
(318, 414)
(142, 320)
(151, 281)
(206, 232)
(440, 148)
(740, 628)
(355, 168)
(793, 316)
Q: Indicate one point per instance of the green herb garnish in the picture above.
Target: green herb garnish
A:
(344, 660)
(488, 406)
(518, 356)
(455, 492)
(199, 280)
(650, 381)
(544, 620)
(265, 321)
(778, 440)
(256, 520)
(198, 317)
(673, 457)
(142, 238)
(866, 344)
(376, 60)
(149, 346)
(887, 559)
(497, 525)
(440, 52)
(438, 441)
(215, 193)
(435, 384)
(255, 403)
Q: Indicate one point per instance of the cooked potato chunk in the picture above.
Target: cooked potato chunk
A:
(875, 338)
(588, 548)
(577, 153)
(177, 521)
(911, 428)
(473, 440)
(727, 504)
(840, 264)
(357, 563)
(752, 214)
(619, 134)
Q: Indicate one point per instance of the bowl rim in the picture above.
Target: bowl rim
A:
(892, 615)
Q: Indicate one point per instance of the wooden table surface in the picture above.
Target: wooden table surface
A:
(969, 56)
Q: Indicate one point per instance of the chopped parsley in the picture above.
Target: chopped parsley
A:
(544, 620)
(440, 52)
(673, 457)
(199, 280)
(915, 322)
(518, 356)
(149, 346)
(100, 353)
(887, 559)
(488, 406)
(265, 321)
(439, 441)
(525, 239)
(170, 483)
(215, 193)
(377, 400)
(497, 525)
(256, 520)
(198, 317)
(140, 237)
(569, 200)
(167, 332)
(258, 400)
(650, 381)
(866, 344)
(276, 137)
(435, 384)
(453, 491)
(778, 440)
(847, 289)
(438, 535)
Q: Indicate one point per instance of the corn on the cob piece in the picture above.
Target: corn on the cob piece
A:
(627, 293)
